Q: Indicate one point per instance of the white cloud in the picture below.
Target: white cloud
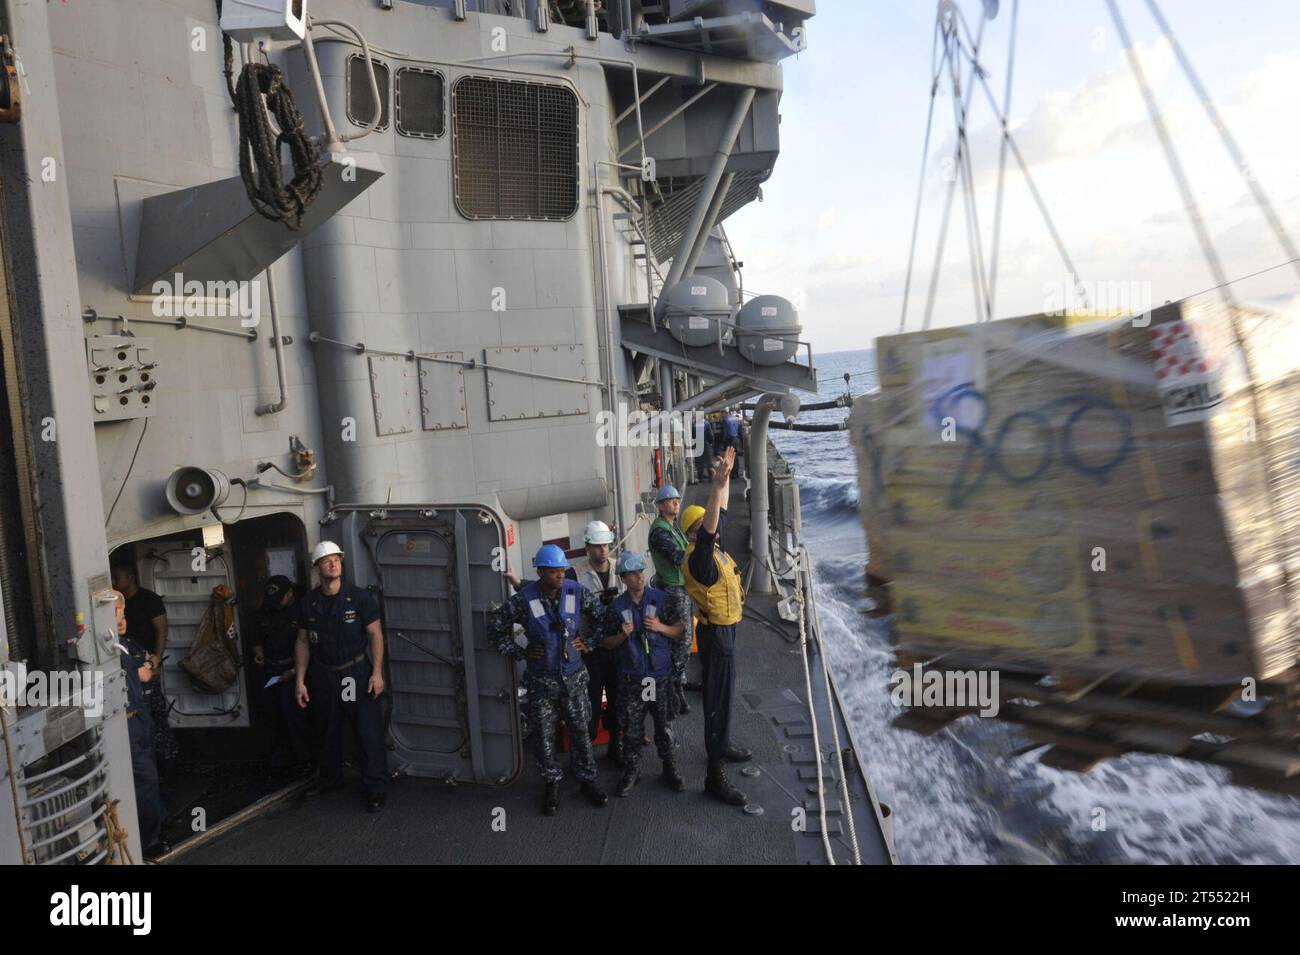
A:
(841, 262)
(1106, 110)
(837, 224)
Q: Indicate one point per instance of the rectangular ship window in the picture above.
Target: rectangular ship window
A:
(361, 109)
(514, 149)
(417, 100)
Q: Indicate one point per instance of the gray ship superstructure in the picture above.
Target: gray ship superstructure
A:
(495, 269)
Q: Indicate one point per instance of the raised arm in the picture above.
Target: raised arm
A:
(720, 493)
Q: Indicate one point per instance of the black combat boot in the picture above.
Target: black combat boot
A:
(672, 777)
(615, 751)
(628, 782)
(551, 799)
(594, 793)
(682, 705)
(736, 754)
(717, 785)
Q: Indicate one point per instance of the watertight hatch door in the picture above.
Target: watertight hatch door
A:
(454, 712)
(171, 569)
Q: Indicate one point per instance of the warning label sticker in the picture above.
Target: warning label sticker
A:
(1188, 371)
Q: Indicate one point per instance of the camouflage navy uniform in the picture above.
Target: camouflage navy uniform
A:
(556, 684)
(645, 656)
(668, 550)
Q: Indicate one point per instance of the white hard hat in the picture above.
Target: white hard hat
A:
(598, 532)
(325, 549)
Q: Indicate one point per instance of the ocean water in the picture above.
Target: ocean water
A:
(962, 795)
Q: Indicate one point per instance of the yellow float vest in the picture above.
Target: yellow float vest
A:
(721, 603)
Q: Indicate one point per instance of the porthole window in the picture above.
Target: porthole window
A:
(361, 108)
(418, 103)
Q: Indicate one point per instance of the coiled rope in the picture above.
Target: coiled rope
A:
(259, 89)
(119, 848)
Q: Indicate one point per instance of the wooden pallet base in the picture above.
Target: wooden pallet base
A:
(1082, 723)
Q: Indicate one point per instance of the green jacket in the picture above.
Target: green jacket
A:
(667, 570)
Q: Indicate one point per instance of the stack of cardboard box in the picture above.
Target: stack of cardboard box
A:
(1068, 494)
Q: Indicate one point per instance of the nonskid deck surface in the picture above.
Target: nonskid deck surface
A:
(426, 821)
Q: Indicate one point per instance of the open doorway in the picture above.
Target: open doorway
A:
(214, 754)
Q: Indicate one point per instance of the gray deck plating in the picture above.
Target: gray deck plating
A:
(428, 822)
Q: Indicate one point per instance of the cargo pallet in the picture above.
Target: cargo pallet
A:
(1083, 720)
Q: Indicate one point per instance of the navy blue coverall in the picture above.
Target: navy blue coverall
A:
(337, 681)
(144, 767)
(717, 649)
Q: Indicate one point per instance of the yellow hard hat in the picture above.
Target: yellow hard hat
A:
(690, 517)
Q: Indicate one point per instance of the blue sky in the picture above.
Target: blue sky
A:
(832, 232)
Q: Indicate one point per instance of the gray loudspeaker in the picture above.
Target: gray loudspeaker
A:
(193, 490)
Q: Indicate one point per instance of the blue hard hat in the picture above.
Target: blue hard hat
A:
(667, 492)
(550, 555)
(629, 561)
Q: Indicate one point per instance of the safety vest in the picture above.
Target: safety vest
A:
(668, 573)
(556, 632)
(645, 653)
(722, 603)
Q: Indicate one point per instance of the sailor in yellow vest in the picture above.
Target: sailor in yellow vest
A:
(713, 581)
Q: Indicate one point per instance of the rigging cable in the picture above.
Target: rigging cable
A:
(816, 741)
(1171, 156)
(1002, 163)
(1037, 196)
(1272, 481)
(1229, 142)
(807, 579)
(920, 186)
(619, 546)
(974, 243)
(950, 34)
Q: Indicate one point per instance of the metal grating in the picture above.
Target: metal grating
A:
(361, 108)
(670, 214)
(514, 149)
(63, 803)
(417, 100)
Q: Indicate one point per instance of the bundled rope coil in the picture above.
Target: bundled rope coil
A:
(259, 145)
(119, 847)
